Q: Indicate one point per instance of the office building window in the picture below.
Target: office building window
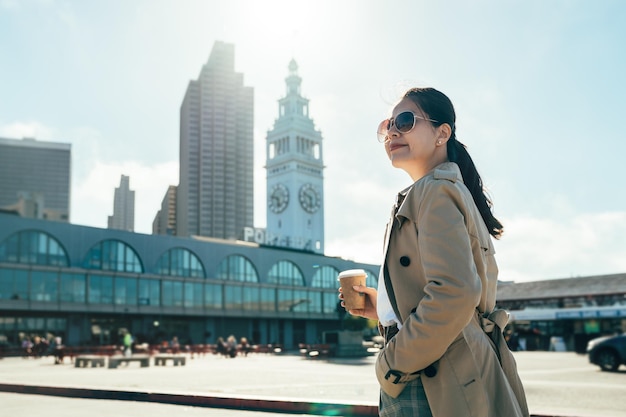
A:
(149, 292)
(233, 297)
(285, 273)
(193, 295)
(213, 296)
(296, 300)
(73, 288)
(172, 293)
(251, 298)
(180, 262)
(330, 303)
(237, 268)
(100, 289)
(44, 286)
(113, 255)
(326, 277)
(302, 300)
(315, 301)
(125, 291)
(33, 247)
(13, 284)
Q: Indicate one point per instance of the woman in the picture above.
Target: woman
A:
(444, 354)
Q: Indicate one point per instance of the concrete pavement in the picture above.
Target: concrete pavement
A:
(253, 386)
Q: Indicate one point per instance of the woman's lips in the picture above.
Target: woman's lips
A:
(394, 146)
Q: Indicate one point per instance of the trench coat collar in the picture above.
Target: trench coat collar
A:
(407, 207)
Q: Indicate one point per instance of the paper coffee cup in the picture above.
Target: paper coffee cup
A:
(347, 279)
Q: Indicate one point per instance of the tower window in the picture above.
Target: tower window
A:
(316, 151)
(271, 153)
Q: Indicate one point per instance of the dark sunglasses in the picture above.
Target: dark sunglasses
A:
(404, 123)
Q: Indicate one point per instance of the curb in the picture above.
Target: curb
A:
(233, 403)
(270, 405)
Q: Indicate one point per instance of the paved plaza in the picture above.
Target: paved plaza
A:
(557, 384)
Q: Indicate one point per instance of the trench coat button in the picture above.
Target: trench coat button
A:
(405, 261)
(430, 371)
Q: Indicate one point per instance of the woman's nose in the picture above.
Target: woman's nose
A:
(393, 132)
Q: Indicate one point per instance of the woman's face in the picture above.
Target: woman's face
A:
(418, 151)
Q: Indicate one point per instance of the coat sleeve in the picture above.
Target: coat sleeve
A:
(453, 287)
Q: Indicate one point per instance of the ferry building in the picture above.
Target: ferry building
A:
(85, 284)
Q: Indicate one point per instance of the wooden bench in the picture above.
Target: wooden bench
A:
(115, 361)
(161, 360)
(84, 361)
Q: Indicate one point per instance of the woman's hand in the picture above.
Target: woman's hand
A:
(369, 312)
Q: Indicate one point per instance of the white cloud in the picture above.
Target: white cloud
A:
(577, 245)
(531, 249)
(27, 129)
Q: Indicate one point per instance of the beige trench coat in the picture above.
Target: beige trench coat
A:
(443, 275)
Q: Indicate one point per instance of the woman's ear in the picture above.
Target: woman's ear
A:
(444, 132)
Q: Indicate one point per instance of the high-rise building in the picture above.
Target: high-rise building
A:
(123, 217)
(215, 197)
(295, 182)
(165, 220)
(35, 178)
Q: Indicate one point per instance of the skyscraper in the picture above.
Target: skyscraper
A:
(123, 217)
(295, 181)
(164, 222)
(35, 178)
(215, 197)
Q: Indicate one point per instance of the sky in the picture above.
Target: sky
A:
(538, 87)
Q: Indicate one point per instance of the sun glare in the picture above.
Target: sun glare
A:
(277, 27)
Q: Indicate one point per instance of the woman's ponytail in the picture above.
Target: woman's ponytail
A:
(457, 152)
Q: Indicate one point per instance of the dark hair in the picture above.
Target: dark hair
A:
(438, 106)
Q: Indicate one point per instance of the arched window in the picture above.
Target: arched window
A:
(285, 273)
(372, 279)
(113, 255)
(237, 268)
(180, 262)
(326, 277)
(33, 247)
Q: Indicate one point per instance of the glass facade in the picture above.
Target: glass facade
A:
(113, 255)
(325, 277)
(33, 247)
(180, 262)
(149, 292)
(101, 288)
(172, 294)
(73, 288)
(285, 273)
(44, 286)
(125, 291)
(193, 295)
(63, 284)
(237, 268)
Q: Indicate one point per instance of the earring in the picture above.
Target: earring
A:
(438, 142)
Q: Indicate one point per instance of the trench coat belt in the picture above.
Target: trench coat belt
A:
(397, 377)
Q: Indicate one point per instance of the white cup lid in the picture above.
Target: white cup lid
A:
(351, 273)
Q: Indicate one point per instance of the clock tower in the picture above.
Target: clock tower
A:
(295, 183)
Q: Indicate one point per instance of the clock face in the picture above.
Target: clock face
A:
(278, 198)
(309, 198)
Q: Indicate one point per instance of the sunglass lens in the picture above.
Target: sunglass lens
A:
(404, 122)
